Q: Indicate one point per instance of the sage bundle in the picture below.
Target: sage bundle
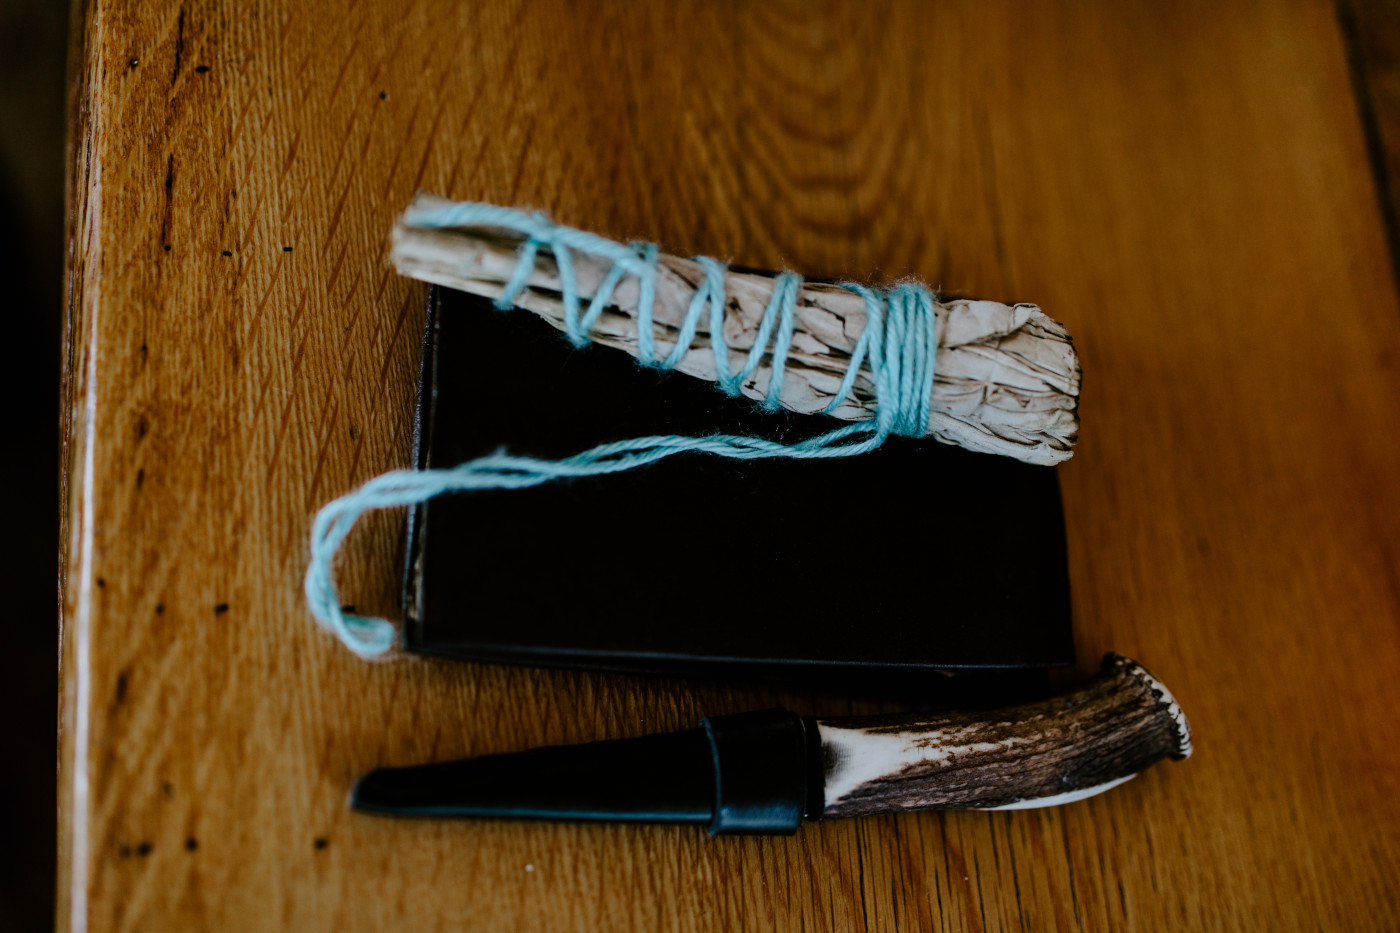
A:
(1006, 376)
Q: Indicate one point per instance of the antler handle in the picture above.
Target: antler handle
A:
(1006, 376)
(1039, 754)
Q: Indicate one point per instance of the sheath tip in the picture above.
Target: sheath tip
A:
(379, 792)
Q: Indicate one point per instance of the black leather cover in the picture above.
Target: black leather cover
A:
(916, 556)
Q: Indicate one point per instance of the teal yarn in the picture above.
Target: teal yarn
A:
(899, 343)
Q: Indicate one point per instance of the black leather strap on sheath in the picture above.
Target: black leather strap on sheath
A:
(760, 763)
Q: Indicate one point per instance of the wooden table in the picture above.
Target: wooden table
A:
(1186, 186)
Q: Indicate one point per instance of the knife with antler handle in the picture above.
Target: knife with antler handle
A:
(766, 772)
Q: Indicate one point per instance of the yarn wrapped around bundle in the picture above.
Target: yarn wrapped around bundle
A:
(1007, 375)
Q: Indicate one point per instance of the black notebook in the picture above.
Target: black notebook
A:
(917, 556)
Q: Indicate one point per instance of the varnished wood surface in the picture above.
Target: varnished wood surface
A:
(1185, 185)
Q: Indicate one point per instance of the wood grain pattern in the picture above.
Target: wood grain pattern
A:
(1184, 185)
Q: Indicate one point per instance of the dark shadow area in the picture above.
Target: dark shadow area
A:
(1371, 59)
(33, 37)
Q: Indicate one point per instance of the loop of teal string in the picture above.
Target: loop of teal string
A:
(898, 344)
